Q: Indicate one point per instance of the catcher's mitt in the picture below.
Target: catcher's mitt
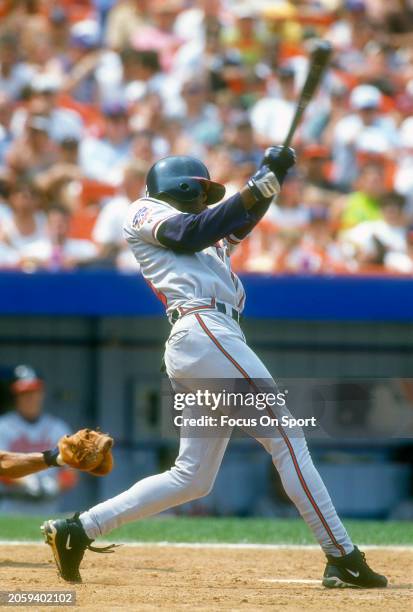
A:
(87, 450)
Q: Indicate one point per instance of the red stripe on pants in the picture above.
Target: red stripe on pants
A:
(283, 434)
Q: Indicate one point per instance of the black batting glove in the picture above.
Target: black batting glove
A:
(279, 160)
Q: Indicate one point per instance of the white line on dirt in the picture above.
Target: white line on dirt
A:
(290, 581)
(219, 546)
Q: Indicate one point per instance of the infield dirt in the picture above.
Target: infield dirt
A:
(204, 579)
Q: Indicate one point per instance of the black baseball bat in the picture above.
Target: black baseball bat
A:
(319, 59)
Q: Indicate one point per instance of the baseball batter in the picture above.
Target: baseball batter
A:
(183, 247)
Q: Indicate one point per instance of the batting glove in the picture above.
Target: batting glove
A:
(279, 160)
(264, 184)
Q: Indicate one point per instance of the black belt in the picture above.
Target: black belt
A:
(233, 312)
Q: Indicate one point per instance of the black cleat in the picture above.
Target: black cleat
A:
(68, 541)
(351, 571)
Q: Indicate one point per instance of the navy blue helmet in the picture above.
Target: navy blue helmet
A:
(183, 179)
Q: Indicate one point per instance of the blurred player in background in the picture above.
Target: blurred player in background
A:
(28, 430)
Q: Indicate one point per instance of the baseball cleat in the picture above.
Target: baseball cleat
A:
(351, 571)
(68, 541)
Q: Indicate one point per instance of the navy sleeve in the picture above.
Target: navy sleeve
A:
(189, 233)
(256, 213)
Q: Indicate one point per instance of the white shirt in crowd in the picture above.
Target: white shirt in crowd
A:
(271, 118)
(43, 250)
(16, 240)
(391, 236)
(108, 228)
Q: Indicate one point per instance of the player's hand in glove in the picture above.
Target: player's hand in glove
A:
(87, 450)
(279, 160)
(267, 181)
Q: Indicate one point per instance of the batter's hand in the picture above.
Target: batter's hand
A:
(279, 160)
(87, 450)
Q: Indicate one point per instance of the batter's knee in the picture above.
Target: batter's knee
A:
(193, 484)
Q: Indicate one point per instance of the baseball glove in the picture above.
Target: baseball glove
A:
(87, 450)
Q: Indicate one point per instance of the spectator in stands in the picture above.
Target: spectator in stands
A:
(158, 34)
(6, 136)
(83, 58)
(147, 146)
(403, 180)
(289, 212)
(191, 22)
(14, 74)
(365, 128)
(108, 230)
(59, 182)
(26, 224)
(316, 251)
(102, 158)
(272, 115)
(9, 256)
(364, 203)
(142, 74)
(200, 118)
(370, 242)
(314, 165)
(124, 19)
(42, 99)
(34, 151)
(59, 30)
(242, 144)
(399, 262)
(56, 250)
(247, 34)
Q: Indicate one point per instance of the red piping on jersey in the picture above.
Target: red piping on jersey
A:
(159, 294)
(283, 434)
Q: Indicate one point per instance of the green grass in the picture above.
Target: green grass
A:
(229, 530)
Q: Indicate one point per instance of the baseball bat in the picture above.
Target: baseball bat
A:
(319, 59)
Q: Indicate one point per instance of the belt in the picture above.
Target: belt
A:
(227, 309)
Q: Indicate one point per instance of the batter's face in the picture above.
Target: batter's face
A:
(196, 207)
(199, 206)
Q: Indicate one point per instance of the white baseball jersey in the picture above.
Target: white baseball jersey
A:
(180, 279)
(19, 436)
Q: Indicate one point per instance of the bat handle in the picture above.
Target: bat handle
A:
(288, 139)
(287, 142)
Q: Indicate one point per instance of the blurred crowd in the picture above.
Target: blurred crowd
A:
(92, 92)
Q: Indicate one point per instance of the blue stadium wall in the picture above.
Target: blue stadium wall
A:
(98, 338)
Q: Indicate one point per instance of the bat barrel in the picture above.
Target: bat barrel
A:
(318, 63)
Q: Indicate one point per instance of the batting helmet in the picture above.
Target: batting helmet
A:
(183, 179)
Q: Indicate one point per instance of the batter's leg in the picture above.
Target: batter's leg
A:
(191, 477)
(305, 488)
(290, 454)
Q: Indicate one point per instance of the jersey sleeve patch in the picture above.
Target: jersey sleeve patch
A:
(140, 217)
